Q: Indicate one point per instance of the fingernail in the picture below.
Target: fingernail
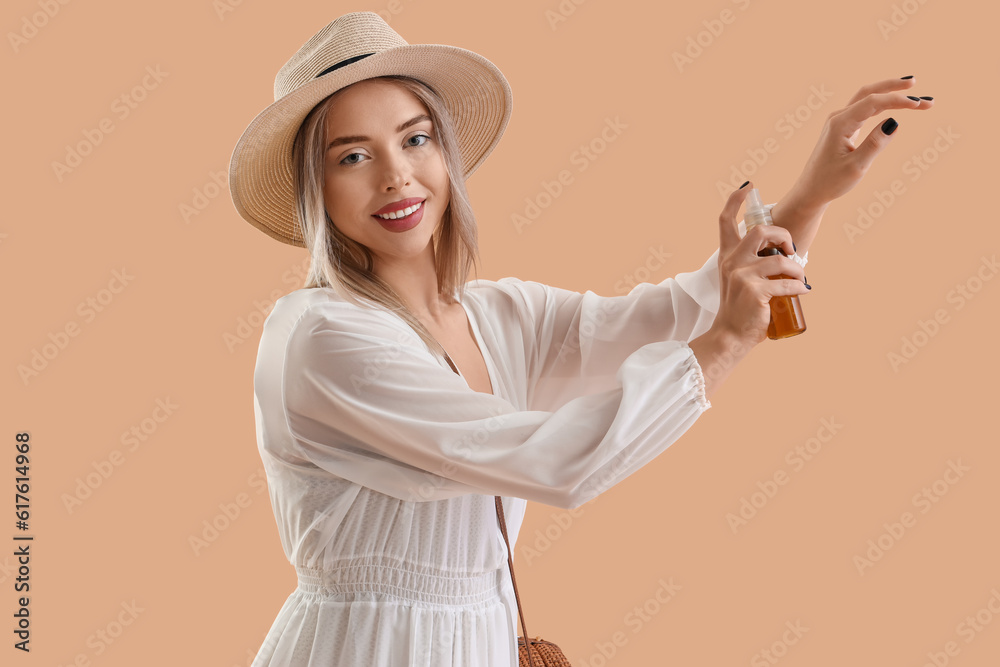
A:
(915, 99)
(743, 186)
(808, 286)
(926, 98)
(889, 126)
(793, 247)
(908, 76)
(805, 280)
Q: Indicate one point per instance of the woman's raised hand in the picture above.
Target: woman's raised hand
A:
(836, 164)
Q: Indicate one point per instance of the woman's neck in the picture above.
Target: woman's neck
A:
(415, 280)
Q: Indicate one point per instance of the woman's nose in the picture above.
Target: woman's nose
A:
(395, 172)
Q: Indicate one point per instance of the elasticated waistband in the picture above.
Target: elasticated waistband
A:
(395, 578)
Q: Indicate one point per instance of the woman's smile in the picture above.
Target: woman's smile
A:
(404, 223)
(399, 208)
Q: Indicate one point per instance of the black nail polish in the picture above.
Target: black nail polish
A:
(793, 247)
(926, 98)
(743, 186)
(808, 286)
(889, 126)
(909, 76)
(915, 99)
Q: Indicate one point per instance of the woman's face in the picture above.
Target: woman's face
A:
(383, 148)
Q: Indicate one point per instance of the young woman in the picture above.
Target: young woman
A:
(394, 399)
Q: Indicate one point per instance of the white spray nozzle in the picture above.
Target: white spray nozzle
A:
(756, 214)
(753, 200)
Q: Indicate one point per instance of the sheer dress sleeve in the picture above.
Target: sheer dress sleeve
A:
(372, 405)
(611, 383)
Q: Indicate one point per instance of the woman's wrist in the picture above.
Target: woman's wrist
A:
(718, 351)
(801, 216)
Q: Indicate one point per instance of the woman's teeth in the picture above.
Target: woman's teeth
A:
(400, 214)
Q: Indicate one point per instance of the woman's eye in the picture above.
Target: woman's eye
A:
(349, 161)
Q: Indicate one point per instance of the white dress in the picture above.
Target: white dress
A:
(382, 464)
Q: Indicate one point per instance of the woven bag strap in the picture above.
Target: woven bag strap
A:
(510, 563)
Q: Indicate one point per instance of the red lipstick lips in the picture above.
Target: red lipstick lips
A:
(405, 223)
(398, 206)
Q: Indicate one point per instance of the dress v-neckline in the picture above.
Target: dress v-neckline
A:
(477, 336)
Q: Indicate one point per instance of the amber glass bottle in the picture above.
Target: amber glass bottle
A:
(786, 312)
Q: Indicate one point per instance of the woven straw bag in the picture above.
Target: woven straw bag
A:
(533, 652)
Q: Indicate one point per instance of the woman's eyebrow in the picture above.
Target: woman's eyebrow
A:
(351, 140)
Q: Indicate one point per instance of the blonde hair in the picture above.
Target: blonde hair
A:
(345, 265)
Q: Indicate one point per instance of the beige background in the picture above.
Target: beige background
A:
(163, 335)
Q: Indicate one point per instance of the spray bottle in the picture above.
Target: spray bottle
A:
(786, 312)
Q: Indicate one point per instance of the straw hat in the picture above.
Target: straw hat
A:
(354, 47)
